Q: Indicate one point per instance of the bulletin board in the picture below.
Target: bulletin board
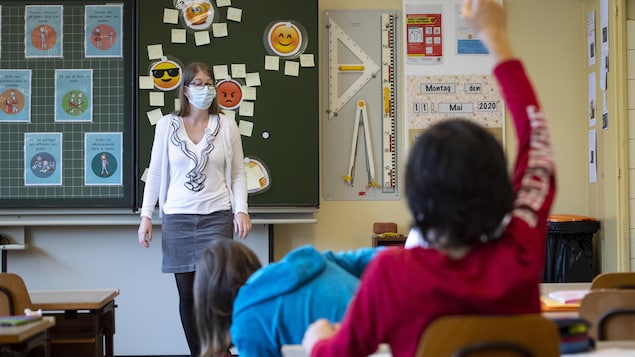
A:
(278, 114)
(66, 124)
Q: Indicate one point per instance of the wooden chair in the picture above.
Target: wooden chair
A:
(611, 313)
(15, 296)
(527, 335)
(621, 280)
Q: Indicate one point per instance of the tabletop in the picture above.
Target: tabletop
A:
(72, 299)
(17, 334)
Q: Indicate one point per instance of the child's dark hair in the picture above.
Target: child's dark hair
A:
(224, 266)
(457, 184)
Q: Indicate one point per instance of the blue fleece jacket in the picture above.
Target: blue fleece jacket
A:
(280, 300)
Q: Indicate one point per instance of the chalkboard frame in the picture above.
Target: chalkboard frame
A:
(79, 195)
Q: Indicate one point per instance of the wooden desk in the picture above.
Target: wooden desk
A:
(608, 349)
(22, 340)
(561, 310)
(85, 320)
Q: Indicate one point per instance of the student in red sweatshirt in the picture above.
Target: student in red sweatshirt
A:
(484, 232)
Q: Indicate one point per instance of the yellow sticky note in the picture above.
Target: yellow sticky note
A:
(146, 82)
(249, 93)
(245, 127)
(219, 29)
(179, 36)
(201, 38)
(144, 176)
(157, 99)
(221, 3)
(291, 68)
(272, 63)
(220, 72)
(177, 104)
(155, 51)
(171, 16)
(234, 14)
(307, 60)
(154, 116)
(239, 70)
(252, 79)
(246, 109)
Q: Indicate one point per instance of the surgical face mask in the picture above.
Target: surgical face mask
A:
(203, 97)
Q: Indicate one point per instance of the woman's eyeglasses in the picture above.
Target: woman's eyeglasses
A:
(201, 85)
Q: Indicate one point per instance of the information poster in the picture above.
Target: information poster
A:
(42, 159)
(103, 159)
(103, 30)
(73, 95)
(15, 95)
(424, 34)
(43, 31)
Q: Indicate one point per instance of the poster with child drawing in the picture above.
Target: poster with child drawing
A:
(73, 95)
(103, 30)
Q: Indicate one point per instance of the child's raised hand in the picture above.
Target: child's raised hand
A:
(484, 15)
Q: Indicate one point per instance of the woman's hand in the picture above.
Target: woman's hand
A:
(242, 224)
(145, 232)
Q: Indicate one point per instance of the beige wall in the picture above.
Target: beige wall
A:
(550, 36)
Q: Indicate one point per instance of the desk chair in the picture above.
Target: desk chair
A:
(14, 295)
(527, 335)
(622, 280)
(611, 313)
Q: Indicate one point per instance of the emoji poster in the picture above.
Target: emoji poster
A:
(42, 159)
(43, 31)
(287, 39)
(165, 74)
(103, 30)
(73, 95)
(15, 95)
(102, 159)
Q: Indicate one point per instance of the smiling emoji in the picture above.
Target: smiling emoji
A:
(285, 39)
(166, 74)
(230, 93)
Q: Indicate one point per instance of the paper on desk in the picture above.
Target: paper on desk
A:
(568, 296)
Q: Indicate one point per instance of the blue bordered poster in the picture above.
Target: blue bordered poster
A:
(73, 95)
(103, 30)
(43, 31)
(15, 95)
(103, 159)
(42, 159)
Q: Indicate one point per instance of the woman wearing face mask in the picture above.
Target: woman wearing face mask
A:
(196, 174)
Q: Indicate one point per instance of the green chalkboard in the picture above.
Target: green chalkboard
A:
(111, 103)
(282, 132)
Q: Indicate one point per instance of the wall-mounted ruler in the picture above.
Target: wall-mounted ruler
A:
(361, 59)
(389, 123)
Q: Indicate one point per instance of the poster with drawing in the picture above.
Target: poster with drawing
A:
(103, 30)
(42, 159)
(43, 31)
(103, 159)
(73, 95)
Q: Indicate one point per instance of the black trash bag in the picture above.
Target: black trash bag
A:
(569, 252)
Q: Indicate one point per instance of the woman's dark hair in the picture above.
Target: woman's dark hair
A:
(222, 269)
(188, 75)
(457, 185)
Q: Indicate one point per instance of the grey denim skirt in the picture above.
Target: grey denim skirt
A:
(185, 236)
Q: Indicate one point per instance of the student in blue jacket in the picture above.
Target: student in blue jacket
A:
(259, 309)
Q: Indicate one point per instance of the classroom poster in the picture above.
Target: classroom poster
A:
(424, 35)
(15, 95)
(103, 159)
(591, 38)
(103, 30)
(42, 159)
(43, 31)
(467, 40)
(73, 95)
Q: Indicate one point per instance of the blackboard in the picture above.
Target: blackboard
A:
(285, 122)
(111, 111)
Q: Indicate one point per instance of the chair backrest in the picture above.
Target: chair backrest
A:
(15, 297)
(510, 335)
(611, 313)
(620, 280)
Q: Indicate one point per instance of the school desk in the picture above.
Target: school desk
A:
(22, 340)
(608, 349)
(85, 319)
(554, 309)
